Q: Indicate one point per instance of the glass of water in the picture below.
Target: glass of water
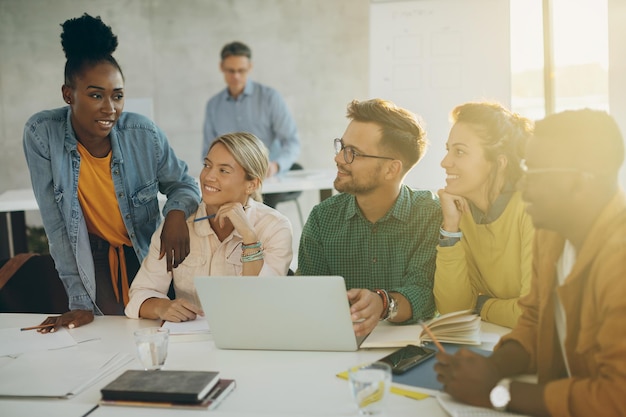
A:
(151, 345)
(370, 385)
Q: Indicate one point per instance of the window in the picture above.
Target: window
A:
(579, 30)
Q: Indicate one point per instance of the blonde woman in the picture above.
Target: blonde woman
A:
(484, 252)
(232, 233)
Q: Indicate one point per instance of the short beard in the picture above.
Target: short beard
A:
(354, 189)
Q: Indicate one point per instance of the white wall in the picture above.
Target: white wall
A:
(432, 55)
(314, 52)
(617, 67)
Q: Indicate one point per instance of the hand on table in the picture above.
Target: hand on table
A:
(178, 310)
(467, 376)
(70, 319)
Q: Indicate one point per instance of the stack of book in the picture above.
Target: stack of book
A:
(178, 389)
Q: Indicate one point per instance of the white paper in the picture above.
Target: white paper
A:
(57, 373)
(199, 325)
(389, 335)
(457, 409)
(13, 341)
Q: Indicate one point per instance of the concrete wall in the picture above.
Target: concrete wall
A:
(314, 52)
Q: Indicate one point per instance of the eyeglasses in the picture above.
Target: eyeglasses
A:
(531, 171)
(349, 153)
(240, 71)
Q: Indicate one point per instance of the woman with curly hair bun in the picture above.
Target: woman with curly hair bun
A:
(96, 173)
(484, 251)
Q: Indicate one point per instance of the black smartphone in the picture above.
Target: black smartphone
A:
(407, 357)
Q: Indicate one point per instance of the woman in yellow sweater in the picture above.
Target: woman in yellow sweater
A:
(484, 251)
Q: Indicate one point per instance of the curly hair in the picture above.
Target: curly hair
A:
(502, 132)
(86, 41)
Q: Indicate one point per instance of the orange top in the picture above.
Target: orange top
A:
(97, 198)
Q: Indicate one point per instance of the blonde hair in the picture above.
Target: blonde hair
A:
(250, 153)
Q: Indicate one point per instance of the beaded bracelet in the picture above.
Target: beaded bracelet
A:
(258, 255)
(445, 233)
(254, 245)
(385, 297)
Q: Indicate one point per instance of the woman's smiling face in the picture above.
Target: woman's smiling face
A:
(97, 101)
(467, 169)
(222, 179)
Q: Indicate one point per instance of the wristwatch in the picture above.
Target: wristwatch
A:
(500, 395)
(392, 310)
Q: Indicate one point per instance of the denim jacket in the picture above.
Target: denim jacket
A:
(142, 164)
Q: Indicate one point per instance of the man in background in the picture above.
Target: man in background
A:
(247, 106)
(379, 234)
(571, 332)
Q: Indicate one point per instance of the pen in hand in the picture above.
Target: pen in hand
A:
(41, 326)
(210, 216)
(432, 336)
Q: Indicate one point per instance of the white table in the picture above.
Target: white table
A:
(269, 383)
(13, 203)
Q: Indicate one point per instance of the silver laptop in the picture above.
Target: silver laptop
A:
(278, 313)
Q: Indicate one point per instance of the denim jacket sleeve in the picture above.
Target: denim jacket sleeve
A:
(44, 148)
(181, 189)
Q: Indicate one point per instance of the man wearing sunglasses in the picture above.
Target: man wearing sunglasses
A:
(377, 233)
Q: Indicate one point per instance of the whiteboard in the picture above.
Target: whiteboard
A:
(429, 56)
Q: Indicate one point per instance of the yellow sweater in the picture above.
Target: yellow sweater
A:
(492, 259)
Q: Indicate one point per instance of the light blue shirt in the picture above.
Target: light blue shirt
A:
(142, 164)
(259, 110)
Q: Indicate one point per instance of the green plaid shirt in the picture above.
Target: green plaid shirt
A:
(397, 253)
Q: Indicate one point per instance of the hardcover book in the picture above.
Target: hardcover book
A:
(210, 402)
(161, 386)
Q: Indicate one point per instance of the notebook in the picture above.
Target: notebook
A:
(278, 313)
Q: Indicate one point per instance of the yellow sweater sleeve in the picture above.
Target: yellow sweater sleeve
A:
(492, 259)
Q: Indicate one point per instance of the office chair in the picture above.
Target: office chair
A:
(29, 283)
(274, 199)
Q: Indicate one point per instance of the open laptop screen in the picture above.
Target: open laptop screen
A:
(278, 313)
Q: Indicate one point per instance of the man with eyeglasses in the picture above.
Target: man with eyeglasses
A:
(379, 234)
(572, 331)
(248, 106)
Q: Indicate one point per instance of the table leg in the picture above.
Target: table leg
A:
(12, 234)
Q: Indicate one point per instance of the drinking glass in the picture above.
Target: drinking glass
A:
(151, 345)
(370, 385)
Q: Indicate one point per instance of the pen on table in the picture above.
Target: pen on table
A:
(41, 326)
(210, 216)
(432, 336)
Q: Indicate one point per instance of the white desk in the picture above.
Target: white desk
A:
(269, 383)
(14, 203)
(302, 180)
